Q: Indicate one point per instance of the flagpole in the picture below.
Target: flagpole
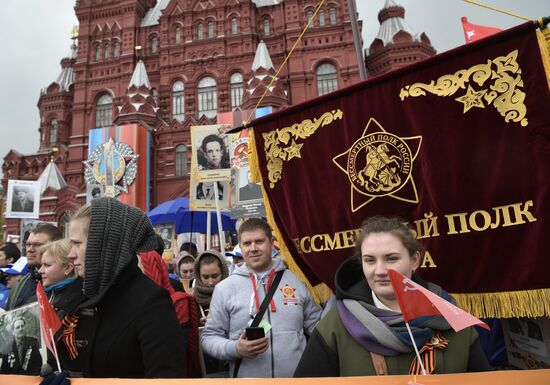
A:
(208, 229)
(55, 351)
(415, 348)
(357, 39)
(497, 9)
(221, 234)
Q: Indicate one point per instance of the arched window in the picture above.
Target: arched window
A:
(234, 26)
(155, 94)
(53, 132)
(116, 50)
(181, 160)
(178, 101)
(64, 223)
(200, 31)
(236, 83)
(106, 52)
(178, 34)
(266, 27)
(97, 53)
(154, 45)
(104, 111)
(332, 15)
(327, 80)
(321, 18)
(309, 15)
(211, 29)
(207, 98)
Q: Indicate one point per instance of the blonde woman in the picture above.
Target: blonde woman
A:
(57, 270)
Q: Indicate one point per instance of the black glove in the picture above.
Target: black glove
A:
(56, 378)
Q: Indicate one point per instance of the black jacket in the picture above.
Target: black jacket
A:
(131, 332)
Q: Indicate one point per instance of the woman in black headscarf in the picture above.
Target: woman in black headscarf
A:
(124, 325)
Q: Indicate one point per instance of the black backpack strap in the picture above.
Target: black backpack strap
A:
(263, 307)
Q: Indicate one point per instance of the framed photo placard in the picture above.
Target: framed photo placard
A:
(23, 199)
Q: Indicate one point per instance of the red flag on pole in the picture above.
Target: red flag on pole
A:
(474, 32)
(416, 301)
(49, 322)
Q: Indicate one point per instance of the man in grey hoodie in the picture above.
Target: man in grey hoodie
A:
(237, 299)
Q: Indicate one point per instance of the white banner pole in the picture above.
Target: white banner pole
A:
(221, 234)
(55, 350)
(208, 230)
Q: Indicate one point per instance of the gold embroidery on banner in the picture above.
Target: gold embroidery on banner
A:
(379, 164)
(276, 154)
(504, 92)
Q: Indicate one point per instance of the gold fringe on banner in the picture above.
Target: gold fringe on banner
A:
(321, 292)
(509, 304)
(544, 44)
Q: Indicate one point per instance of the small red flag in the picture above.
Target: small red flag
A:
(474, 32)
(48, 317)
(417, 301)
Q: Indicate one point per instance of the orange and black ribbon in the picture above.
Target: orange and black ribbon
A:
(69, 324)
(427, 354)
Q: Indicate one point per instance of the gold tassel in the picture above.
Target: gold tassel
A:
(321, 292)
(253, 161)
(509, 304)
(544, 45)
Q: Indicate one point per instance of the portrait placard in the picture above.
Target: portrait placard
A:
(210, 153)
(248, 195)
(203, 195)
(247, 199)
(23, 200)
(93, 191)
(27, 225)
(20, 333)
(166, 232)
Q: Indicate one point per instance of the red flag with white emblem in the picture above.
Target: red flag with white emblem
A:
(49, 322)
(474, 32)
(417, 301)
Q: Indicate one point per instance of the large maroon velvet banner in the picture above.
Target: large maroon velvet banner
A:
(458, 146)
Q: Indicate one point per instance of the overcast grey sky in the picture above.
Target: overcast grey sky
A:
(36, 36)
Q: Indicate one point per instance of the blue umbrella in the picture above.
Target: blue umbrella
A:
(186, 221)
(168, 211)
(195, 221)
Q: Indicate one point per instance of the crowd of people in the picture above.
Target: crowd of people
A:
(124, 315)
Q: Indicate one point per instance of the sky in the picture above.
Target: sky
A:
(33, 47)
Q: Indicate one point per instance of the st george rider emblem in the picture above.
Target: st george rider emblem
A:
(288, 295)
(379, 164)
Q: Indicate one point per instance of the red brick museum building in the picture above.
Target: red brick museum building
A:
(199, 59)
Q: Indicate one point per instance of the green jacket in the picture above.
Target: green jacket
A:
(332, 351)
(22, 293)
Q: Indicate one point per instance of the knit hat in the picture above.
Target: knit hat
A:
(203, 293)
(117, 232)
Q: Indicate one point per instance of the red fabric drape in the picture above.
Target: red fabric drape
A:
(186, 308)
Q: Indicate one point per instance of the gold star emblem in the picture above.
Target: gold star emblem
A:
(294, 150)
(379, 164)
(471, 99)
